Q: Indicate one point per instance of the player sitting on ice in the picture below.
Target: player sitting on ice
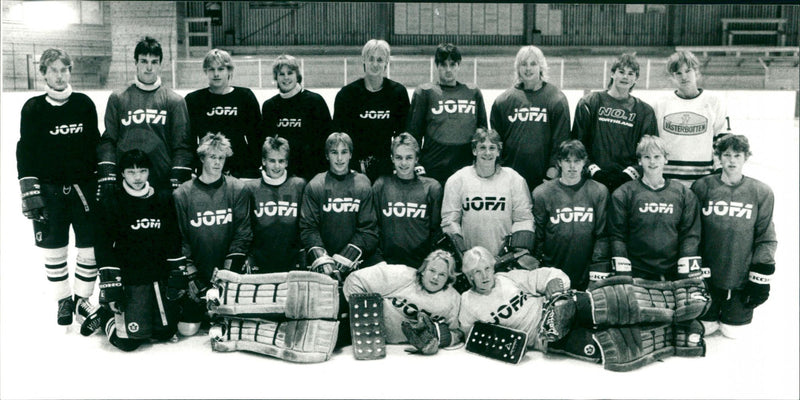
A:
(214, 220)
(739, 241)
(620, 322)
(420, 307)
(137, 245)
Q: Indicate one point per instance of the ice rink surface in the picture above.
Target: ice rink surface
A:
(39, 359)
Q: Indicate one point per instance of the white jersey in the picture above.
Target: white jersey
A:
(688, 127)
(515, 302)
(485, 210)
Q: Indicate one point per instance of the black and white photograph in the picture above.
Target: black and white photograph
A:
(363, 200)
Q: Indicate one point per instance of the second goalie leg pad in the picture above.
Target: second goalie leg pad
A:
(367, 329)
(497, 342)
(689, 340)
(622, 300)
(295, 294)
(631, 347)
(301, 341)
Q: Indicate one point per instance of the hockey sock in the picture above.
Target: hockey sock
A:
(55, 263)
(85, 272)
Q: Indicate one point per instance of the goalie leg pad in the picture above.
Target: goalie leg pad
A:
(367, 326)
(301, 341)
(691, 298)
(497, 342)
(689, 339)
(628, 348)
(295, 294)
(622, 300)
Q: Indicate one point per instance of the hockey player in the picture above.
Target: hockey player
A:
(149, 117)
(739, 239)
(570, 217)
(445, 114)
(689, 120)
(411, 294)
(138, 244)
(372, 110)
(55, 165)
(611, 123)
(624, 323)
(214, 220)
(485, 202)
(338, 216)
(299, 115)
(275, 200)
(654, 222)
(532, 117)
(409, 207)
(230, 110)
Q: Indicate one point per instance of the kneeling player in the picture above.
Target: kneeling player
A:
(137, 244)
(214, 220)
(412, 297)
(738, 238)
(621, 322)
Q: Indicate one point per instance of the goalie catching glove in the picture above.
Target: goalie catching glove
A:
(32, 200)
(425, 335)
(112, 293)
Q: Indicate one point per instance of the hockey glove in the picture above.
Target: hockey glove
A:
(690, 267)
(32, 200)
(756, 290)
(319, 261)
(179, 175)
(425, 335)
(111, 292)
(621, 266)
(236, 262)
(196, 288)
(106, 180)
(178, 282)
(598, 271)
(553, 288)
(348, 260)
(630, 174)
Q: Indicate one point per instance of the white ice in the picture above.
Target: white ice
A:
(39, 359)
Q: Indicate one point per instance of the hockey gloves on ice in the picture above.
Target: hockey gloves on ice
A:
(425, 335)
(756, 290)
(106, 180)
(111, 292)
(32, 200)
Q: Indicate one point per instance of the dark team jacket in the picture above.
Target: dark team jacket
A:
(214, 220)
(304, 120)
(446, 117)
(610, 129)
(409, 218)
(138, 235)
(371, 118)
(653, 228)
(532, 124)
(237, 116)
(338, 210)
(57, 143)
(155, 122)
(569, 223)
(737, 228)
(275, 219)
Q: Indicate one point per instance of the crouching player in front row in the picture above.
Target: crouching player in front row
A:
(738, 238)
(622, 322)
(137, 244)
(420, 306)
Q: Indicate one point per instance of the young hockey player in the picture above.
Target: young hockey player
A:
(299, 115)
(485, 202)
(275, 201)
(570, 217)
(230, 110)
(55, 166)
(611, 123)
(338, 216)
(214, 220)
(445, 114)
(409, 207)
(689, 120)
(147, 116)
(411, 294)
(739, 239)
(654, 222)
(138, 244)
(532, 117)
(611, 323)
(372, 110)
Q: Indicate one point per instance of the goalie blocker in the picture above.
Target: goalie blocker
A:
(366, 326)
(497, 342)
